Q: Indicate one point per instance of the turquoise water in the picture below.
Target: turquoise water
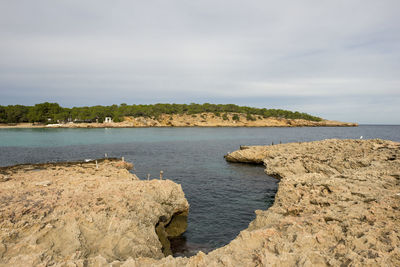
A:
(65, 137)
(222, 196)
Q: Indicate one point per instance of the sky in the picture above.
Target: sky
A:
(339, 59)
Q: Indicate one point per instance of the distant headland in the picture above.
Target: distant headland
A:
(52, 115)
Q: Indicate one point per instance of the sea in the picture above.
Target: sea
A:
(222, 196)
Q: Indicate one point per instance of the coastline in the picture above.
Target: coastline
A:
(199, 120)
(337, 204)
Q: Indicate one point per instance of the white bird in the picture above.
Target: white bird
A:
(361, 137)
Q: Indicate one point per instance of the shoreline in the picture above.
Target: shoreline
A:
(325, 197)
(103, 126)
(198, 120)
(144, 127)
(337, 203)
(71, 163)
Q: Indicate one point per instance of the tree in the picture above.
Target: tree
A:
(3, 115)
(16, 113)
(44, 112)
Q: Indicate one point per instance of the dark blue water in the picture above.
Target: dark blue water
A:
(222, 196)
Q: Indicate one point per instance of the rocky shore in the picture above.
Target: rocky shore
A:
(79, 214)
(196, 120)
(338, 204)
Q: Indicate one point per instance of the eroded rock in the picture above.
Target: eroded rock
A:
(337, 205)
(82, 214)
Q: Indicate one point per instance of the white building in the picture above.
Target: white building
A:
(107, 120)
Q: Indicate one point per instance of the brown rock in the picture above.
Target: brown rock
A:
(124, 165)
(44, 183)
(337, 205)
(86, 215)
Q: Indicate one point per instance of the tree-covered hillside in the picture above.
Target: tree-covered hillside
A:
(53, 112)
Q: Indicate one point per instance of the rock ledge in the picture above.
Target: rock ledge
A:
(74, 214)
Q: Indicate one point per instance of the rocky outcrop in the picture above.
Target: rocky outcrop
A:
(77, 214)
(248, 154)
(338, 204)
(196, 120)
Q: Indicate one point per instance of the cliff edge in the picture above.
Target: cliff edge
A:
(76, 214)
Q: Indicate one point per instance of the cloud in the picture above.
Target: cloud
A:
(258, 53)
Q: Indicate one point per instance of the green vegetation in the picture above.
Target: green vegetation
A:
(249, 117)
(235, 117)
(53, 112)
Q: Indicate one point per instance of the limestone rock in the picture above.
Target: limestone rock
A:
(87, 214)
(248, 154)
(44, 183)
(124, 165)
(337, 205)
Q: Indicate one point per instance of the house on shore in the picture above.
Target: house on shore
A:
(108, 120)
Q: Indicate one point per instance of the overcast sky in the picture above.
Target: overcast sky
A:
(335, 59)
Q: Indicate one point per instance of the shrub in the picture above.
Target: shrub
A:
(249, 117)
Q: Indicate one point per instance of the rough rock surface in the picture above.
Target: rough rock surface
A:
(338, 204)
(75, 214)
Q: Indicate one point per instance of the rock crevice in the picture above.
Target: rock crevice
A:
(174, 227)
